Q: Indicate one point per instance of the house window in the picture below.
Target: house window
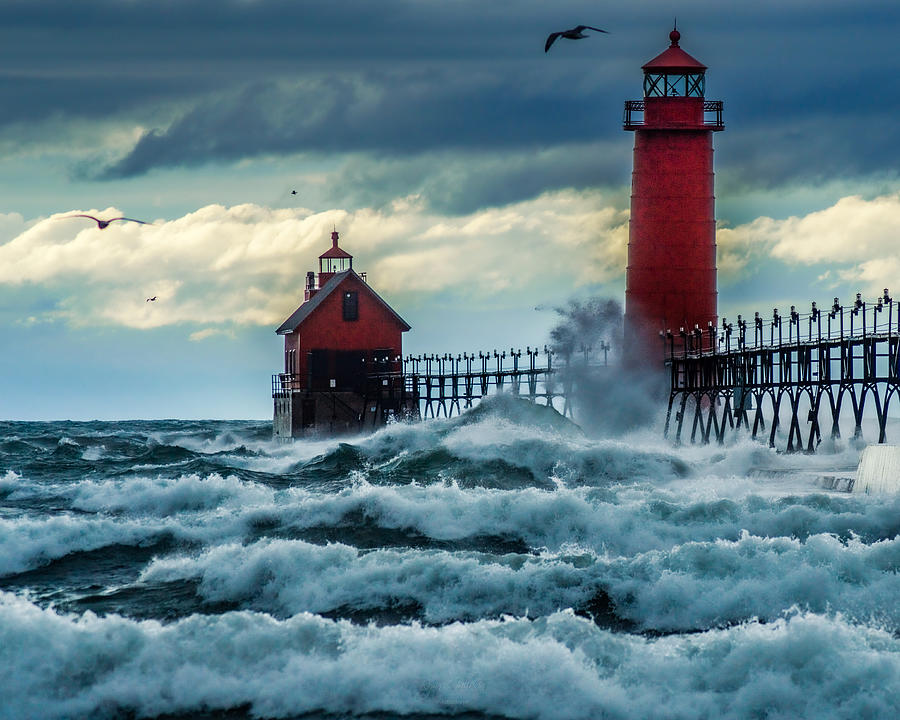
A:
(351, 306)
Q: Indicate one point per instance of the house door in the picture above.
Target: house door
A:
(350, 370)
(317, 369)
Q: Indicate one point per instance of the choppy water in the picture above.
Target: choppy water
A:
(501, 564)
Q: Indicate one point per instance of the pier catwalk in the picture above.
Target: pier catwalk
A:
(788, 379)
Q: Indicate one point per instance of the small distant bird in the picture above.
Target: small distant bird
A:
(103, 224)
(573, 34)
(293, 192)
(153, 299)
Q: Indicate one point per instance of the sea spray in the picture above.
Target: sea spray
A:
(611, 393)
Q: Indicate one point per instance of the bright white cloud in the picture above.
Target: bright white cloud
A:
(211, 332)
(858, 238)
(245, 265)
(222, 267)
(11, 226)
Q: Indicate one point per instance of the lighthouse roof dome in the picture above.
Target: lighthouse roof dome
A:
(674, 60)
(334, 251)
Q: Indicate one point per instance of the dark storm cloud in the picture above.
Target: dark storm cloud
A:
(813, 149)
(29, 98)
(811, 93)
(454, 184)
(385, 114)
(811, 89)
(239, 39)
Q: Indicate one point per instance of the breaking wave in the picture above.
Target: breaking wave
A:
(556, 667)
(499, 563)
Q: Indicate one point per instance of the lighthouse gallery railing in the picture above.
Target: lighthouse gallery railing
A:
(716, 122)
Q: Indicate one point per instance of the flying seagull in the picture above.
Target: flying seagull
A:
(573, 34)
(153, 299)
(103, 224)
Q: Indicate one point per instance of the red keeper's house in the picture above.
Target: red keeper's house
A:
(342, 355)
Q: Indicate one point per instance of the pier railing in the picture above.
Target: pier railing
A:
(283, 384)
(859, 319)
(446, 385)
(799, 370)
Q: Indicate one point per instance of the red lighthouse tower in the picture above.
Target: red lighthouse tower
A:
(670, 281)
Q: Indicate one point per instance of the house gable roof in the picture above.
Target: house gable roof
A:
(306, 309)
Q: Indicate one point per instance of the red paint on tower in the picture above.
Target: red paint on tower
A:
(671, 274)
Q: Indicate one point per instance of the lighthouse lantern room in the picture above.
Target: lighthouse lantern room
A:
(671, 273)
(333, 260)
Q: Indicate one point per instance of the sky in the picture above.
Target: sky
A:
(478, 181)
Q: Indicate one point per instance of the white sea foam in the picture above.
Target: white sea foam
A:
(569, 457)
(27, 542)
(625, 521)
(166, 496)
(132, 512)
(158, 467)
(879, 470)
(129, 511)
(144, 495)
(288, 577)
(268, 456)
(700, 585)
(695, 585)
(279, 458)
(561, 452)
(621, 520)
(10, 481)
(93, 453)
(556, 668)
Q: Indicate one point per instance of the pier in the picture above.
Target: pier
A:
(799, 373)
(435, 386)
(446, 385)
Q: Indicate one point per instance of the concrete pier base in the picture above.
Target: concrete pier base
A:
(879, 470)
